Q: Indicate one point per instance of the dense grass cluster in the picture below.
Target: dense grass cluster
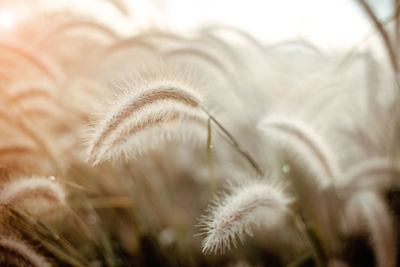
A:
(113, 145)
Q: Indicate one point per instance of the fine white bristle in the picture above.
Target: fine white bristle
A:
(247, 206)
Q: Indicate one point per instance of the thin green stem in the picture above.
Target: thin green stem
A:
(300, 260)
(235, 143)
(210, 158)
(315, 245)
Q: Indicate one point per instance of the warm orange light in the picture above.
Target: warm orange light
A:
(7, 19)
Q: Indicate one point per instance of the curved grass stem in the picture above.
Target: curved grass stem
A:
(300, 260)
(385, 36)
(210, 161)
(235, 143)
(314, 243)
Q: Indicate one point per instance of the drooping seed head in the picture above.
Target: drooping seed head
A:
(146, 114)
(35, 194)
(248, 206)
(305, 142)
(14, 252)
(377, 174)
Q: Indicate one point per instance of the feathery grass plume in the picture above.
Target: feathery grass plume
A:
(39, 60)
(160, 36)
(41, 97)
(306, 142)
(34, 194)
(250, 205)
(168, 122)
(22, 155)
(152, 105)
(79, 25)
(223, 47)
(225, 95)
(16, 149)
(202, 55)
(366, 212)
(317, 206)
(42, 237)
(30, 93)
(212, 29)
(126, 44)
(20, 91)
(85, 90)
(373, 174)
(14, 252)
(15, 117)
(302, 43)
(35, 101)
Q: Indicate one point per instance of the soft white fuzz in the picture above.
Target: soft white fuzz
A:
(145, 115)
(250, 205)
(306, 142)
(34, 194)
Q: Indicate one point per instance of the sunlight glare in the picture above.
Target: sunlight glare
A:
(8, 19)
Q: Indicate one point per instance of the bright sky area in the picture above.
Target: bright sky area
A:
(328, 23)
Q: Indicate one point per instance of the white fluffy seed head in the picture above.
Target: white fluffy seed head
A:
(297, 136)
(15, 252)
(248, 206)
(146, 114)
(375, 174)
(35, 194)
(148, 129)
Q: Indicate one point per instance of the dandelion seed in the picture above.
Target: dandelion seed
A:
(247, 206)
